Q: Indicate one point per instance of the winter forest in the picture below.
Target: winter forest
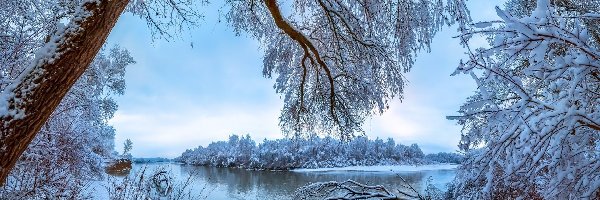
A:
(530, 129)
(284, 154)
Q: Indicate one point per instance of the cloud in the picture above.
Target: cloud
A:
(179, 97)
(170, 132)
(414, 121)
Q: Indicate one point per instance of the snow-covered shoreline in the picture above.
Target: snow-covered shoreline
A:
(384, 168)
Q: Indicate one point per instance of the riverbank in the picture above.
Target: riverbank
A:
(384, 168)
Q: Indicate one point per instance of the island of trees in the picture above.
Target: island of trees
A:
(315, 152)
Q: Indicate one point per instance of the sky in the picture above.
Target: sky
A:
(208, 84)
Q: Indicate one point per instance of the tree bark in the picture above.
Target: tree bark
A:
(53, 72)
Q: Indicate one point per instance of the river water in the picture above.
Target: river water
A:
(228, 183)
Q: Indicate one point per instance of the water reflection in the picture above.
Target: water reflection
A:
(224, 183)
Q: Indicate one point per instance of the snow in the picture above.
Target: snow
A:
(384, 168)
(97, 189)
(46, 54)
(4, 103)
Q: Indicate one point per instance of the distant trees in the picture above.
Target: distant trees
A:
(315, 152)
(445, 157)
(532, 130)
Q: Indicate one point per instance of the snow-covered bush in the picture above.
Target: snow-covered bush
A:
(533, 128)
(158, 183)
(70, 149)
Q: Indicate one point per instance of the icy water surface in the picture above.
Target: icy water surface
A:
(225, 183)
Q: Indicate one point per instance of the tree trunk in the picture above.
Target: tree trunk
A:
(55, 69)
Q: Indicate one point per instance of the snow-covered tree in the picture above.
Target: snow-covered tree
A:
(43, 58)
(247, 148)
(58, 60)
(337, 62)
(127, 146)
(533, 128)
(69, 150)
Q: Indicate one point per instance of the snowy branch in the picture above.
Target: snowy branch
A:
(533, 125)
(338, 62)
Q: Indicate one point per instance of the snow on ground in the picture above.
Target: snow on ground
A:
(384, 168)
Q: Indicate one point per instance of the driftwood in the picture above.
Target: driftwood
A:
(119, 167)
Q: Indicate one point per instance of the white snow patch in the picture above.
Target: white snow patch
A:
(384, 168)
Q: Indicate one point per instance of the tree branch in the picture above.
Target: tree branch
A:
(307, 46)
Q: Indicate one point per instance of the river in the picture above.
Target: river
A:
(231, 183)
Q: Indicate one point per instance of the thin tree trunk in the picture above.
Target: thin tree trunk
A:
(54, 71)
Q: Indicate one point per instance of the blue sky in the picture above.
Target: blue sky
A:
(179, 96)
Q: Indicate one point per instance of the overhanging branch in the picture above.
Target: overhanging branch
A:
(309, 50)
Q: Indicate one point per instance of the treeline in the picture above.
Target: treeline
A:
(316, 152)
(150, 160)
